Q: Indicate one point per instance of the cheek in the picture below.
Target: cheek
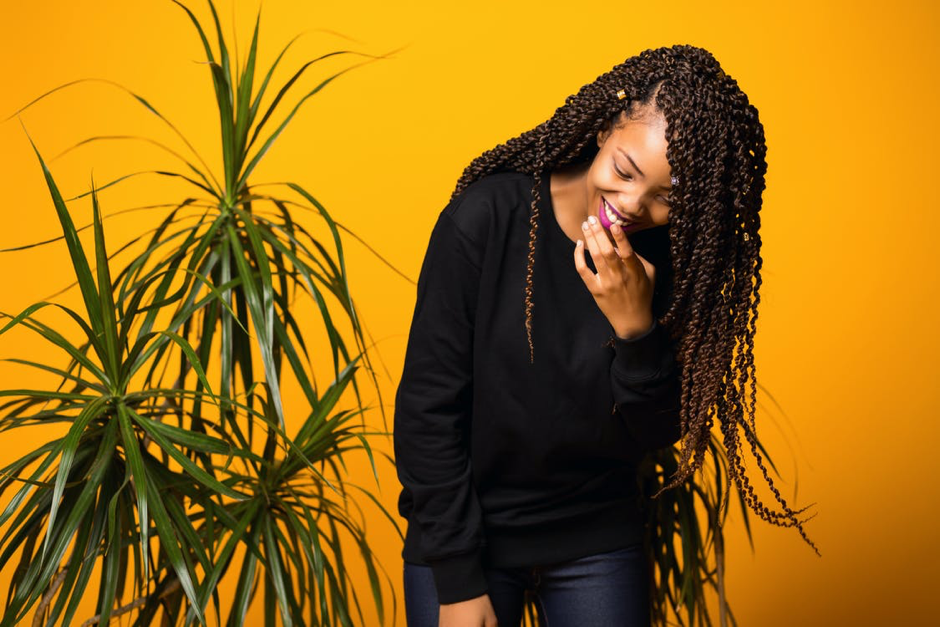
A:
(662, 216)
(597, 180)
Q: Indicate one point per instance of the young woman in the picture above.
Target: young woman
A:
(583, 275)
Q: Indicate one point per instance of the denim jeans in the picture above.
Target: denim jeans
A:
(604, 590)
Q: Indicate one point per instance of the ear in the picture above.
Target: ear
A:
(607, 130)
(603, 134)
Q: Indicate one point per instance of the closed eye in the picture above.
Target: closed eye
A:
(629, 177)
(622, 174)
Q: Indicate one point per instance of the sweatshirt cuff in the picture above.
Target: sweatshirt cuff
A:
(642, 357)
(459, 578)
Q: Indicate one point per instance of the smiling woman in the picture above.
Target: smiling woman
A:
(613, 186)
(520, 475)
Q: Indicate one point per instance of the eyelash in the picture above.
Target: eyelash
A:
(628, 177)
(621, 174)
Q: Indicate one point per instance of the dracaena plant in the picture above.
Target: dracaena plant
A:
(177, 431)
(684, 536)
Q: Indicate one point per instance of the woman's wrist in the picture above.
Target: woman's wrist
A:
(633, 329)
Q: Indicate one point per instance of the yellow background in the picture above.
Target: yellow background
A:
(848, 339)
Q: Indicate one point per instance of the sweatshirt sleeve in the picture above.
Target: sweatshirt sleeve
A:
(646, 386)
(433, 412)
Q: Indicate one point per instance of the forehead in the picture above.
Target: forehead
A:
(646, 135)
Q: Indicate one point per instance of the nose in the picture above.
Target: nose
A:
(629, 207)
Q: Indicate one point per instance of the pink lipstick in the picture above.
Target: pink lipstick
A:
(606, 222)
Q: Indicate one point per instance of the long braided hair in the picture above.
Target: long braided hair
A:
(716, 150)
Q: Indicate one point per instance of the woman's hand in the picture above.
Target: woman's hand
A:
(623, 285)
(475, 612)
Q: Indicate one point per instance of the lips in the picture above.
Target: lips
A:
(616, 213)
(605, 210)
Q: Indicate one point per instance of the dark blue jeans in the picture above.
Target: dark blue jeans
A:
(604, 590)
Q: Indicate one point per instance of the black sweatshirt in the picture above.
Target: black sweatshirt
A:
(506, 463)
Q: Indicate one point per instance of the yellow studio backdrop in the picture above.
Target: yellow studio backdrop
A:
(847, 340)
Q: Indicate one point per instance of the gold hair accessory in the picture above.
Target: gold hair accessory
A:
(621, 94)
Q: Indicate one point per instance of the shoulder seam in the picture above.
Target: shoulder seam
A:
(463, 235)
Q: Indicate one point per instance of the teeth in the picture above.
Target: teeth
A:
(610, 216)
(613, 216)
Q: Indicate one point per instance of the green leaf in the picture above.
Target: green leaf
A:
(105, 298)
(243, 589)
(62, 373)
(243, 117)
(58, 340)
(92, 411)
(135, 466)
(76, 252)
(41, 571)
(190, 439)
(198, 473)
(169, 543)
(260, 315)
(275, 573)
(222, 560)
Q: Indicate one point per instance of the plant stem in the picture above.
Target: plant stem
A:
(124, 609)
(47, 598)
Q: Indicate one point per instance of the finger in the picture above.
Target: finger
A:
(620, 239)
(580, 264)
(610, 257)
(647, 266)
(592, 238)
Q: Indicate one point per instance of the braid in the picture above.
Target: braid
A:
(533, 230)
(716, 148)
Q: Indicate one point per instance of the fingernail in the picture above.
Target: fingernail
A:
(615, 228)
(584, 225)
(592, 219)
(578, 243)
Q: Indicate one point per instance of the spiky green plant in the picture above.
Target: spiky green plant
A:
(154, 450)
(686, 548)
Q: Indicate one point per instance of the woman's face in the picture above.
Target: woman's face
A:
(629, 180)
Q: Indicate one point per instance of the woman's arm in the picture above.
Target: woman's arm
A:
(433, 411)
(646, 387)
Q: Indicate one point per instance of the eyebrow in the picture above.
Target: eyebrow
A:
(637, 168)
